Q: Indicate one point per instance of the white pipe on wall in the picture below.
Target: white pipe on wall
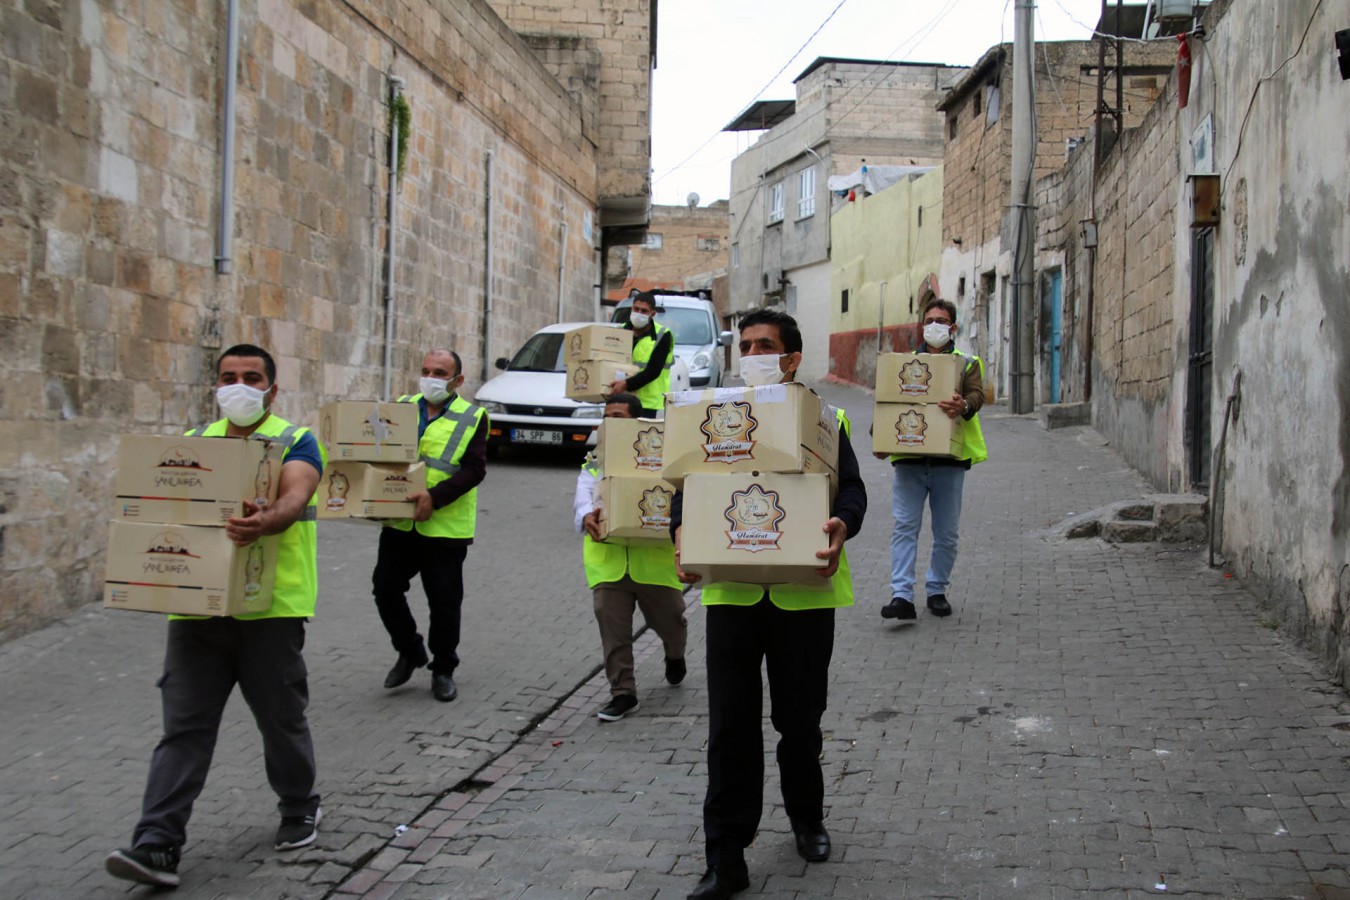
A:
(225, 239)
(395, 91)
(487, 271)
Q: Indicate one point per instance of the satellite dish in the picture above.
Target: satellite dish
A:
(692, 200)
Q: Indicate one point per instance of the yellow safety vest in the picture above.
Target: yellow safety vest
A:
(648, 562)
(297, 580)
(838, 592)
(652, 395)
(441, 447)
(968, 431)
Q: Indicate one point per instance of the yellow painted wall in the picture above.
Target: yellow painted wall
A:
(880, 238)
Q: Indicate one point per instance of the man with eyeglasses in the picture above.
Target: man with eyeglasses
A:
(937, 480)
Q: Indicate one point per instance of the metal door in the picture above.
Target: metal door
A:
(1200, 367)
(1054, 293)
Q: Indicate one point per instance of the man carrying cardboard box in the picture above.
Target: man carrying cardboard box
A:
(452, 441)
(937, 479)
(641, 574)
(261, 651)
(792, 628)
(653, 350)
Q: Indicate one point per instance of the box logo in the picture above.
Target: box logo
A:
(178, 468)
(338, 486)
(581, 379)
(262, 482)
(396, 484)
(754, 515)
(728, 428)
(649, 448)
(377, 426)
(910, 428)
(167, 554)
(654, 508)
(574, 345)
(915, 377)
(253, 572)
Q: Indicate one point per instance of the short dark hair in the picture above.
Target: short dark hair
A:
(946, 306)
(788, 332)
(629, 400)
(459, 366)
(269, 364)
(647, 297)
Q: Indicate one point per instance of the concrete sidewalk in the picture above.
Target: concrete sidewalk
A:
(1112, 721)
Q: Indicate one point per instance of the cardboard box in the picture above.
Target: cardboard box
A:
(187, 569)
(369, 431)
(920, 429)
(359, 490)
(918, 377)
(760, 529)
(601, 342)
(588, 380)
(192, 480)
(630, 446)
(634, 508)
(773, 428)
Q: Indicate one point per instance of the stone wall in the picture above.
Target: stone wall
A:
(111, 311)
(693, 247)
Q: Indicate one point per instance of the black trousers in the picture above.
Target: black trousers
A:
(203, 662)
(796, 646)
(440, 562)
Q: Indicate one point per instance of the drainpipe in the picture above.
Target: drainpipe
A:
(487, 269)
(225, 239)
(562, 265)
(881, 313)
(395, 91)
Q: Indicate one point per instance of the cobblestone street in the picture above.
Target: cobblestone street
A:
(1094, 720)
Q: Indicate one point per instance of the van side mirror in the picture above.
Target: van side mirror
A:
(502, 362)
(725, 338)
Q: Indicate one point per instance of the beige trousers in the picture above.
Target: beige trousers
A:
(662, 607)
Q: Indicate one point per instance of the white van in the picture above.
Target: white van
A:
(698, 341)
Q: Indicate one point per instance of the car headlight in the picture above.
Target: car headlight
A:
(701, 360)
(589, 412)
(491, 408)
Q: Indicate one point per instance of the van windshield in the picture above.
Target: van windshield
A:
(691, 326)
(541, 353)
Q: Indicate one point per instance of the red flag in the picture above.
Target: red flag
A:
(1183, 71)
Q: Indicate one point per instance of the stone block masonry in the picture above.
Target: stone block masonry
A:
(110, 306)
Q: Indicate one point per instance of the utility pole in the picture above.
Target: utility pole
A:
(1023, 214)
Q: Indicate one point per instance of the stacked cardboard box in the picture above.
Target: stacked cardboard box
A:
(596, 356)
(634, 501)
(372, 460)
(759, 467)
(906, 418)
(167, 547)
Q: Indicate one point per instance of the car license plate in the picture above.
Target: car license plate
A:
(536, 436)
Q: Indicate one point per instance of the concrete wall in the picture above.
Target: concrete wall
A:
(693, 246)
(111, 313)
(1282, 257)
(875, 239)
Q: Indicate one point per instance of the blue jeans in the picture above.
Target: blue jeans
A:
(941, 486)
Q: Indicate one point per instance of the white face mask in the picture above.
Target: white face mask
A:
(762, 369)
(937, 334)
(640, 320)
(435, 390)
(241, 404)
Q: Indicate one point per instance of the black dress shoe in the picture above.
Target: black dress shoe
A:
(938, 605)
(403, 669)
(443, 687)
(813, 841)
(720, 883)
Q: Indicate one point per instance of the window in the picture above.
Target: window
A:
(707, 242)
(776, 203)
(806, 193)
(951, 126)
(652, 241)
(843, 300)
(993, 99)
(735, 256)
(975, 105)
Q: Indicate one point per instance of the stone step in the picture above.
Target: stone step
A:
(1129, 531)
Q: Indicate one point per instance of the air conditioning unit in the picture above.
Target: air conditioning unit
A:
(772, 281)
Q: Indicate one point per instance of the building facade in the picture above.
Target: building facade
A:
(119, 284)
